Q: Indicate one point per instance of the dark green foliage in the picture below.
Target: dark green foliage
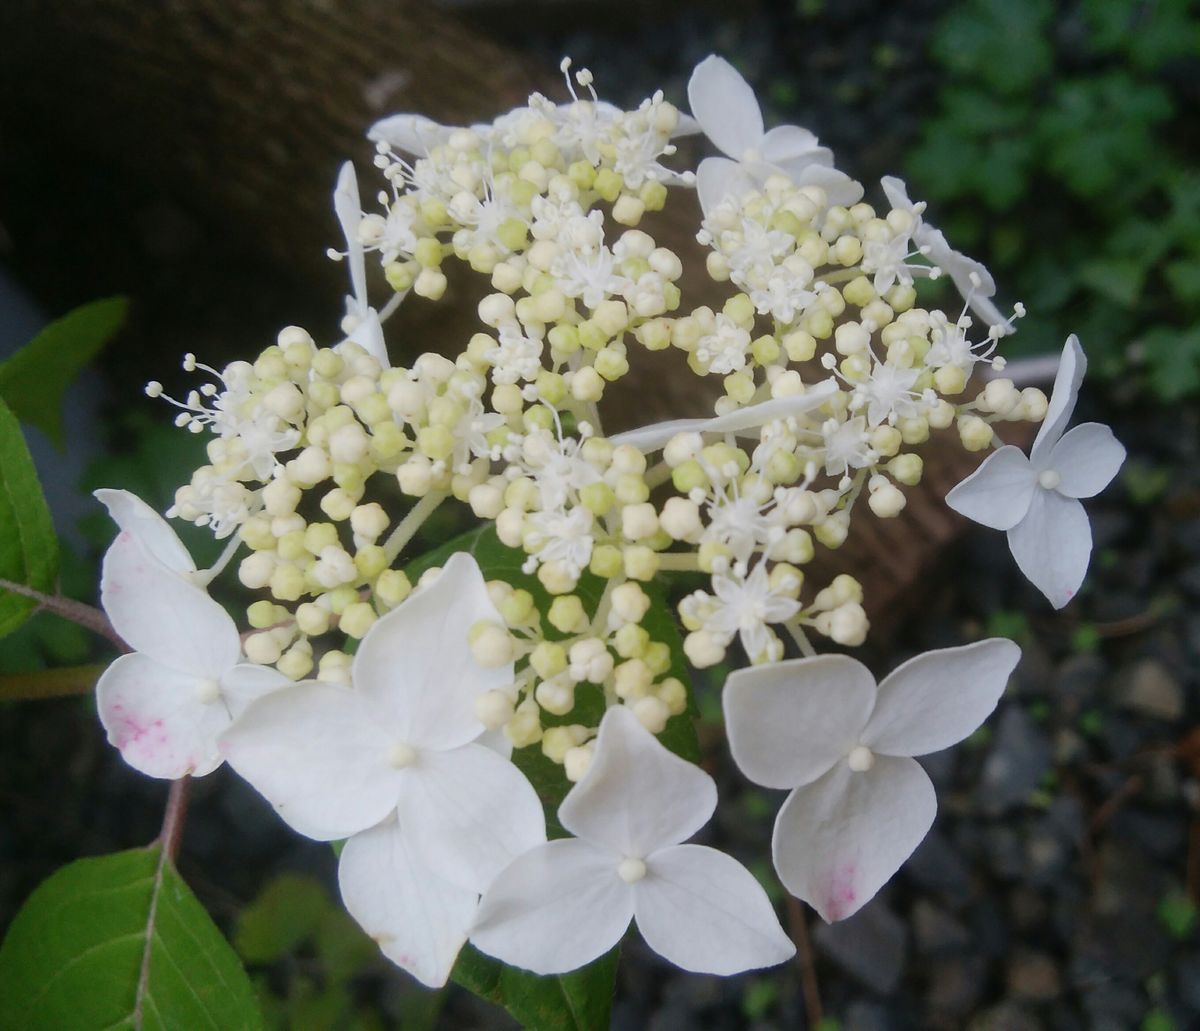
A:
(1062, 153)
(119, 941)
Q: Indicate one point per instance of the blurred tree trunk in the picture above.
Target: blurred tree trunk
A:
(185, 151)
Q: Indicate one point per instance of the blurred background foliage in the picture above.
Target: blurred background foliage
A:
(1067, 158)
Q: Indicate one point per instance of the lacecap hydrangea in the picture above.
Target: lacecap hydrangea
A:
(403, 717)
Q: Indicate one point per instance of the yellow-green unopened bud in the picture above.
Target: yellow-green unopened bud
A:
(392, 587)
(566, 614)
(548, 659)
(357, 619)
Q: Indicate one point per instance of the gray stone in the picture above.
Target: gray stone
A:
(1019, 757)
(1003, 852)
(1187, 980)
(955, 988)
(1027, 907)
(1008, 1016)
(1150, 689)
(936, 932)
(936, 866)
(1034, 977)
(871, 946)
(1076, 681)
(867, 1016)
(1113, 1006)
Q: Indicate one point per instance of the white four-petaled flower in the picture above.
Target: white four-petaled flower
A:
(860, 803)
(1036, 499)
(567, 902)
(725, 107)
(166, 704)
(402, 740)
(396, 763)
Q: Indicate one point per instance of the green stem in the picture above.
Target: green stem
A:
(657, 475)
(411, 523)
(87, 616)
(679, 562)
(801, 639)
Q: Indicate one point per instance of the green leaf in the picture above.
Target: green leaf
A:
(1004, 44)
(1179, 915)
(49, 683)
(28, 546)
(119, 941)
(578, 1001)
(1173, 359)
(33, 380)
(285, 914)
(1118, 279)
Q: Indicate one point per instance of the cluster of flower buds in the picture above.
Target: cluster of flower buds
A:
(381, 710)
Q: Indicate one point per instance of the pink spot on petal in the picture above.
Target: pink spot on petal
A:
(843, 892)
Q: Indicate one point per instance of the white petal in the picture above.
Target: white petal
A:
(417, 918)
(348, 207)
(999, 492)
(416, 665)
(1086, 459)
(554, 909)
(157, 718)
(838, 186)
(688, 126)
(705, 912)
(725, 106)
(247, 682)
(1052, 545)
(752, 417)
(791, 143)
(152, 531)
(989, 313)
(368, 334)
(160, 613)
(498, 741)
(320, 755)
(838, 840)
(470, 813)
(896, 192)
(718, 178)
(1071, 369)
(636, 796)
(410, 134)
(789, 722)
(935, 700)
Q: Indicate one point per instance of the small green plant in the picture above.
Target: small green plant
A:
(1179, 915)
(1072, 144)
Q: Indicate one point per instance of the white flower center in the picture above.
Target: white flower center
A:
(631, 870)
(208, 691)
(402, 756)
(751, 155)
(861, 758)
(1049, 479)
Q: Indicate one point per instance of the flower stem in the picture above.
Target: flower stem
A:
(231, 548)
(412, 522)
(798, 926)
(801, 639)
(679, 562)
(657, 475)
(87, 616)
(174, 815)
